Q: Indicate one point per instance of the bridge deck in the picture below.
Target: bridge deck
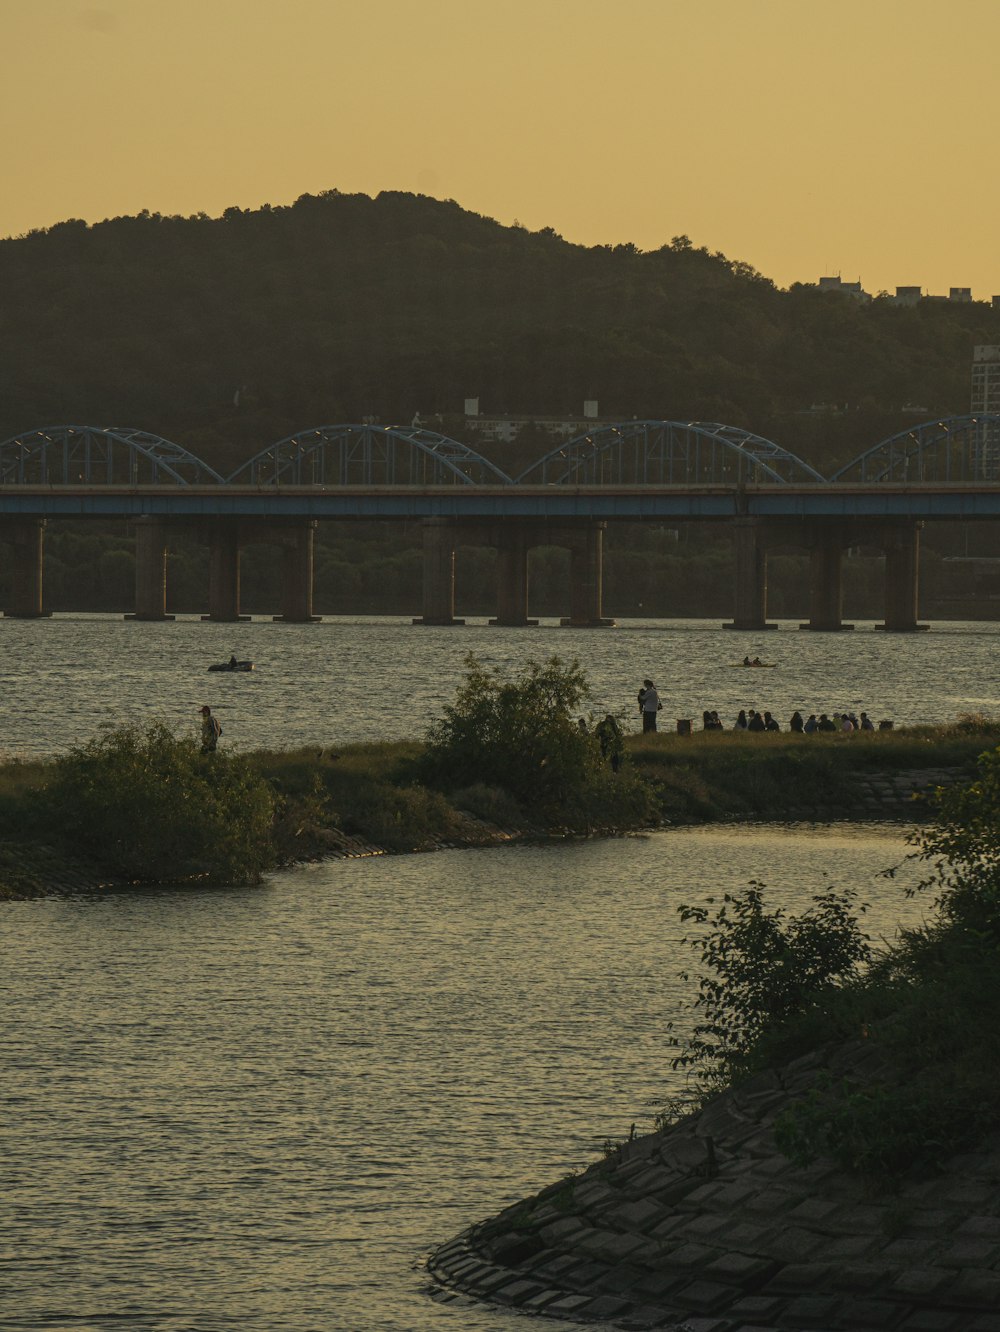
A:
(630, 503)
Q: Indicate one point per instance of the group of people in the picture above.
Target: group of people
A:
(751, 720)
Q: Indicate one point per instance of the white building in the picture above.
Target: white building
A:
(504, 429)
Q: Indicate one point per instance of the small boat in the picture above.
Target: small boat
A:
(232, 666)
(754, 665)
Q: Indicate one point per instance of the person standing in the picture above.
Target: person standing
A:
(210, 731)
(609, 737)
(649, 705)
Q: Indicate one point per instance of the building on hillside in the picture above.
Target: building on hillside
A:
(852, 289)
(986, 400)
(504, 429)
(907, 295)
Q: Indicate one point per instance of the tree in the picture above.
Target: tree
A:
(523, 734)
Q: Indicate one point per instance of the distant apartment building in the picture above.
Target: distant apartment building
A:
(985, 400)
(504, 429)
(985, 380)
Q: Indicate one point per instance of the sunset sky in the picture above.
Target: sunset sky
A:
(857, 138)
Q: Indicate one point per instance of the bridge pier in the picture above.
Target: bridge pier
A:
(751, 577)
(440, 541)
(826, 583)
(901, 542)
(26, 536)
(512, 576)
(150, 570)
(586, 579)
(224, 572)
(297, 574)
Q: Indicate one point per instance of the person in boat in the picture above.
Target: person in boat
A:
(233, 663)
(756, 662)
(747, 661)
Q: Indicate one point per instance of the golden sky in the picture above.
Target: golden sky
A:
(857, 137)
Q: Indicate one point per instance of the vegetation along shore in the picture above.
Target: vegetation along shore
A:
(138, 804)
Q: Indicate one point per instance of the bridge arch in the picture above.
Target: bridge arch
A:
(99, 455)
(954, 448)
(365, 455)
(668, 453)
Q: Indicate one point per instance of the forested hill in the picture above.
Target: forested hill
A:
(226, 334)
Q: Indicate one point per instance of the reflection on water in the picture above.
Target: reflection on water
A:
(256, 1110)
(348, 680)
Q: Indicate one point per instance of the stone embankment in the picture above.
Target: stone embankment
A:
(706, 1227)
(897, 796)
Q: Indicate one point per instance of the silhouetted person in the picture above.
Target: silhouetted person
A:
(210, 731)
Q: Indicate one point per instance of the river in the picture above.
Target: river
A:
(350, 680)
(258, 1110)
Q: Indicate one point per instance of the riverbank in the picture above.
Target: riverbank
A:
(706, 1227)
(363, 800)
(842, 1170)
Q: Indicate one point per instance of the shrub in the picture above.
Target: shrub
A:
(766, 970)
(147, 806)
(963, 847)
(519, 734)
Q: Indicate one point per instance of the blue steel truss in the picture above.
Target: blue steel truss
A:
(369, 455)
(956, 448)
(99, 456)
(639, 453)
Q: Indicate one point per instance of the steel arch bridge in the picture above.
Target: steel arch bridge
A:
(668, 453)
(99, 455)
(955, 448)
(368, 455)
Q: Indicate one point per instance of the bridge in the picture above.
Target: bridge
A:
(633, 471)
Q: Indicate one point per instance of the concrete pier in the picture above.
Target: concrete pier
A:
(750, 592)
(150, 570)
(26, 538)
(440, 542)
(901, 542)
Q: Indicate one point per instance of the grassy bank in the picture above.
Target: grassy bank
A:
(715, 775)
(364, 798)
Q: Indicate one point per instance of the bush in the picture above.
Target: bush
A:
(522, 736)
(519, 734)
(963, 846)
(766, 971)
(146, 806)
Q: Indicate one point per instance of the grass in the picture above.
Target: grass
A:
(724, 774)
(330, 800)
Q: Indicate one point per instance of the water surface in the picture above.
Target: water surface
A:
(258, 1110)
(369, 679)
